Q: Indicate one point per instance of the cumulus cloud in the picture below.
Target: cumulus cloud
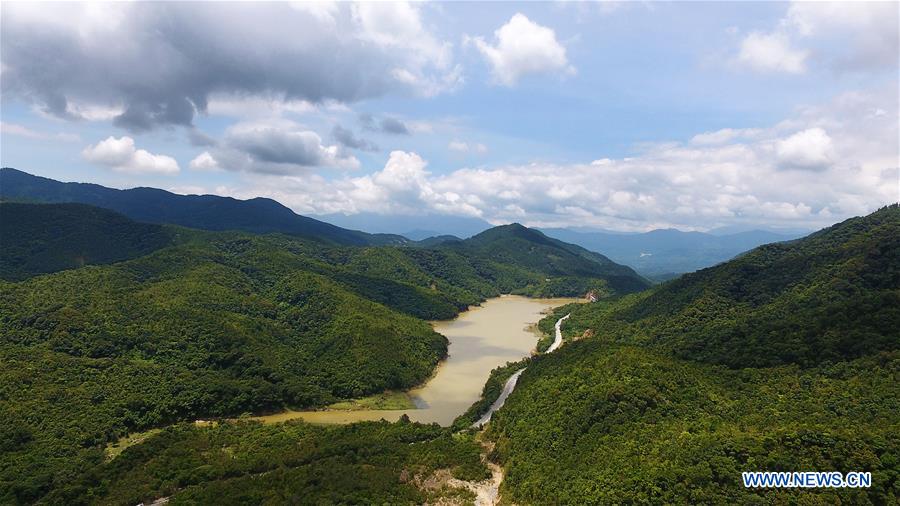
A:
(122, 156)
(274, 147)
(867, 31)
(845, 36)
(522, 47)
(348, 139)
(394, 126)
(204, 162)
(770, 52)
(386, 124)
(159, 63)
(808, 149)
(820, 165)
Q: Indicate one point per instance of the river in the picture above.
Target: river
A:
(481, 339)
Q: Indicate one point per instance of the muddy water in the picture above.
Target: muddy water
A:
(481, 339)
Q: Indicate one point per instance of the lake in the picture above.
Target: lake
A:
(482, 338)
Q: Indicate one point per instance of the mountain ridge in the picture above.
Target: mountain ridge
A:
(207, 212)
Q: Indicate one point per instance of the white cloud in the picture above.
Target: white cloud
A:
(523, 47)
(867, 31)
(23, 131)
(724, 135)
(146, 65)
(204, 162)
(771, 52)
(324, 12)
(746, 177)
(844, 36)
(808, 149)
(465, 147)
(121, 155)
(255, 106)
(397, 26)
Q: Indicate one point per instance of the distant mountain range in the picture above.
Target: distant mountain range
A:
(206, 212)
(663, 254)
(416, 228)
(657, 255)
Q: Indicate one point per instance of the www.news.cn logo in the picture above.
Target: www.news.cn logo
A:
(810, 479)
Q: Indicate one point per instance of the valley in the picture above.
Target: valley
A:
(480, 339)
(118, 335)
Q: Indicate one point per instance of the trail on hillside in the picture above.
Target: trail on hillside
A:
(511, 382)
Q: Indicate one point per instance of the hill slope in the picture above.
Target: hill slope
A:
(829, 296)
(42, 238)
(205, 328)
(207, 212)
(565, 267)
(216, 324)
(642, 408)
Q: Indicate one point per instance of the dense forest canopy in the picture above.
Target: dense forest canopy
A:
(38, 239)
(196, 324)
(784, 359)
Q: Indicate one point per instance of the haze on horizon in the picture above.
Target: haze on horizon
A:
(621, 116)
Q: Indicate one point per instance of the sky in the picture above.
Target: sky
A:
(621, 116)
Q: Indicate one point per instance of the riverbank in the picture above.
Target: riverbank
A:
(497, 332)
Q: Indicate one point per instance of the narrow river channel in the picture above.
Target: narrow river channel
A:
(481, 339)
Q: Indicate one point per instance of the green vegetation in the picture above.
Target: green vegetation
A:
(252, 463)
(567, 269)
(785, 359)
(828, 297)
(38, 239)
(216, 324)
(595, 423)
(493, 387)
(381, 400)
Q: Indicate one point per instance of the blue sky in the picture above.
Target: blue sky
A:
(625, 116)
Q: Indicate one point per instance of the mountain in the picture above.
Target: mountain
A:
(828, 296)
(415, 227)
(42, 238)
(189, 324)
(563, 264)
(662, 254)
(433, 241)
(782, 359)
(207, 212)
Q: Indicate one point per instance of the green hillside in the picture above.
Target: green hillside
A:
(214, 324)
(205, 212)
(785, 359)
(562, 268)
(830, 296)
(38, 239)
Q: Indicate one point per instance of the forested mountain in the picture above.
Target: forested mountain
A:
(194, 324)
(827, 297)
(783, 359)
(568, 267)
(665, 253)
(41, 238)
(207, 212)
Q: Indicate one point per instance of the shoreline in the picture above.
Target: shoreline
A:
(422, 403)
